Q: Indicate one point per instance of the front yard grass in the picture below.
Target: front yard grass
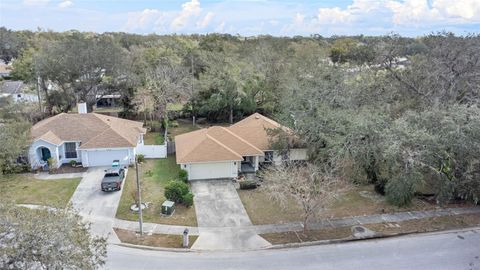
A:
(359, 200)
(24, 189)
(153, 138)
(154, 240)
(154, 175)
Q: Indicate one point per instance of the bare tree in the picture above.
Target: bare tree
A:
(313, 188)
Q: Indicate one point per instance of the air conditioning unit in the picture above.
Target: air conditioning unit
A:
(168, 207)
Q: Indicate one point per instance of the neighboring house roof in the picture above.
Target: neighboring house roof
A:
(11, 87)
(91, 129)
(246, 138)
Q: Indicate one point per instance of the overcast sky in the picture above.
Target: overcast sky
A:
(251, 17)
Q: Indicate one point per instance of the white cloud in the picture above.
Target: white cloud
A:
(189, 9)
(220, 28)
(411, 12)
(143, 20)
(65, 4)
(465, 9)
(439, 11)
(206, 20)
(333, 16)
(35, 2)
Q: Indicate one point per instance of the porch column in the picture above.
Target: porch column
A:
(256, 163)
(57, 156)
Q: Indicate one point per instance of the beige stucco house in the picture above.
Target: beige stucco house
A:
(90, 138)
(224, 152)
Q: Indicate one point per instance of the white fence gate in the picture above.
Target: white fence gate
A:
(152, 151)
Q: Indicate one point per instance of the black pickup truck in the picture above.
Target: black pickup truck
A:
(113, 179)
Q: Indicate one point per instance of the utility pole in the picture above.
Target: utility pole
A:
(140, 216)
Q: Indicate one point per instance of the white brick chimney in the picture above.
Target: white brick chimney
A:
(82, 107)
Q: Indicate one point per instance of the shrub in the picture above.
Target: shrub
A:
(400, 190)
(175, 190)
(52, 165)
(248, 184)
(187, 199)
(183, 175)
(72, 163)
(173, 124)
(140, 158)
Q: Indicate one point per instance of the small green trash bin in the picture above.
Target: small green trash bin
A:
(168, 207)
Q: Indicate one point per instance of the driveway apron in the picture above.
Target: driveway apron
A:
(220, 217)
(96, 206)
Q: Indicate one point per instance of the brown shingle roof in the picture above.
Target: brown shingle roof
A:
(246, 138)
(200, 146)
(254, 130)
(91, 129)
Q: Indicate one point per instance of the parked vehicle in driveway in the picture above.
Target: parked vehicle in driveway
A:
(113, 179)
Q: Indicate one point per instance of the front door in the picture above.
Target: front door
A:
(46, 154)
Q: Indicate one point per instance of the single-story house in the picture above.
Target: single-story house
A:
(18, 91)
(224, 152)
(88, 138)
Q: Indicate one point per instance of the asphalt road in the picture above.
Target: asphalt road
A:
(447, 250)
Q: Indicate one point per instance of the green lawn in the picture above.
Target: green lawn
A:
(108, 109)
(154, 175)
(153, 138)
(23, 188)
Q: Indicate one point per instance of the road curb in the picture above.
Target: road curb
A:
(179, 250)
(378, 236)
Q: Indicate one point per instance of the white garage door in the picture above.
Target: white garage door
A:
(106, 157)
(210, 170)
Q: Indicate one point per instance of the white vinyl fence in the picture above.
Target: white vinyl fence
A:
(152, 151)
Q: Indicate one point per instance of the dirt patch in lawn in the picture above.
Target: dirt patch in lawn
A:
(154, 240)
(154, 175)
(24, 189)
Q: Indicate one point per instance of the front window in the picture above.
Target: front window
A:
(269, 156)
(70, 150)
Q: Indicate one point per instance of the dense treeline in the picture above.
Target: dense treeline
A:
(401, 113)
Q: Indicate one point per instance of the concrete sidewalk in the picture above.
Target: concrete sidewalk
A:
(47, 176)
(297, 226)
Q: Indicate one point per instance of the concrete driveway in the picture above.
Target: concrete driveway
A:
(96, 206)
(217, 204)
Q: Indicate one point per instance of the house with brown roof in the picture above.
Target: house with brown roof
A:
(224, 152)
(88, 138)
